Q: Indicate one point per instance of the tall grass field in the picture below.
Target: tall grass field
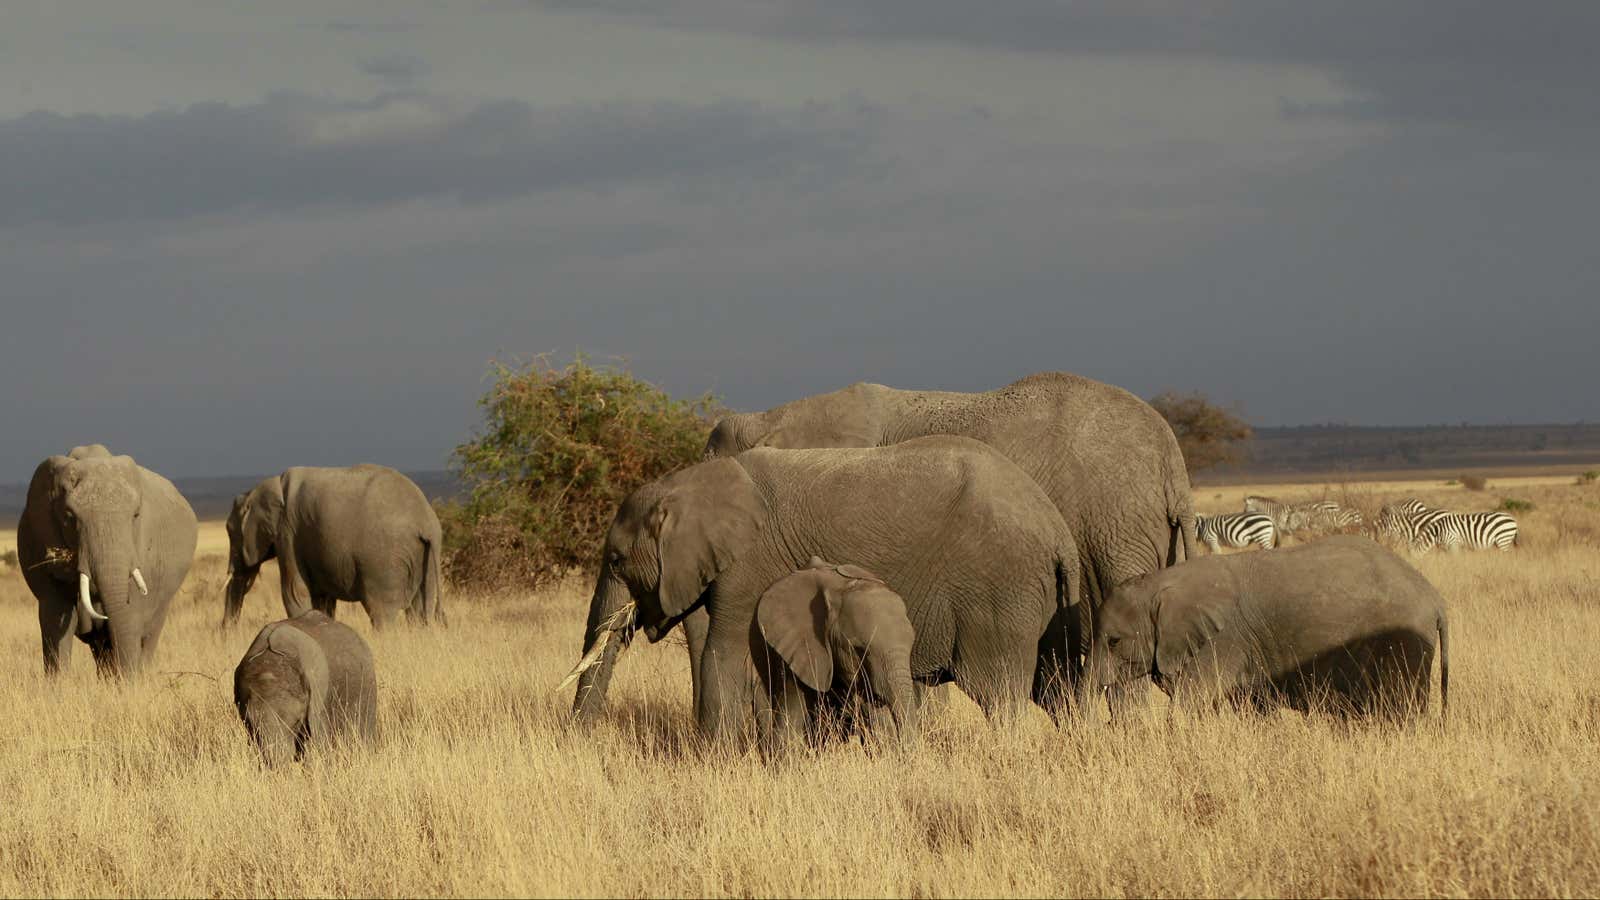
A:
(480, 787)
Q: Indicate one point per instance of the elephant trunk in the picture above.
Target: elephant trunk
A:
(277, 731)
(608, 630)
(903, 697)
(1091, 687)
(240, 580)
(110, 569)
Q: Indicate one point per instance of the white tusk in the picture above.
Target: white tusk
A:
(85, 609)
(138, 578)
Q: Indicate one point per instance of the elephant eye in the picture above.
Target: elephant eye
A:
(1113, 641)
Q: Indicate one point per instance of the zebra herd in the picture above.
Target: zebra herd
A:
(1424, 528)
(1266, 521)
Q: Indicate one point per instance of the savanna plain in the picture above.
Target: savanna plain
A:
(480, 787)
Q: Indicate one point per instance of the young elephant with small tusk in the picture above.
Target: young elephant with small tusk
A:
(1341, 624)
(841, 643)
(305, 680)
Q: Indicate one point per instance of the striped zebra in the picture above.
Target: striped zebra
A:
(1414, 528)
(1330, 515)
(1412, 506)
(1290, 518)
(1236, 530)
(1285, 516)
(1474, 531)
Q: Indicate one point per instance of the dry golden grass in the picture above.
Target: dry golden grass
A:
(478, 788)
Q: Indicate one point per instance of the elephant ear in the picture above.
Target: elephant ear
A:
(709, 515)
(259, 511)
(1182, 630)
(314, 676)
(858, 573)
(793, 616)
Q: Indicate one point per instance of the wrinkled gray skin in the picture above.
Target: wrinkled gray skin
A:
(364, 534)
(1107, 459)
(91, 519)
(306, 679)
(986, 566)
(1341, 624)
(841, 644)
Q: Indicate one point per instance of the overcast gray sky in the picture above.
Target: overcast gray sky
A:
(240, 236)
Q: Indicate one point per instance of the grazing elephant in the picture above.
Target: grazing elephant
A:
(104, 545)
(844, 642)
(364, 533)
(986, 565)
(1342, 622)
(306, 679)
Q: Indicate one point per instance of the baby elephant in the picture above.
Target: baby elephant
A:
(304, 680)
(1340, 622)
(843, 644)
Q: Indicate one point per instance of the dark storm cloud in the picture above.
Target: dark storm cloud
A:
(398, 70)
(353, 27)
(293, 152)
(1469, 61)
(236, 288)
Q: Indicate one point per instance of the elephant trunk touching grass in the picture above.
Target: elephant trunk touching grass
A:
(607, 633)
(986, 566)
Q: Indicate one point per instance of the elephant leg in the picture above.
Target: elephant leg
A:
(1057, 670)
(931, 699)
(790, 719)
(58, 620)
(383, 615)
(696, 625)
(727, 678)
(105, 656)
(296, 595)
(999, 682)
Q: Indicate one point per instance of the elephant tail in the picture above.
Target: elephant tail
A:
(1069, 594)
(1443, 624)
(432, 610)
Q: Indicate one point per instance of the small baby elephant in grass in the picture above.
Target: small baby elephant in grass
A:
(841, 643)
(1340, 624)
(306, 680)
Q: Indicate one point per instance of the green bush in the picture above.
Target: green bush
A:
(1473, 482)
(1511, 505)
(8, 559)
(559, 450)
(1589, 477)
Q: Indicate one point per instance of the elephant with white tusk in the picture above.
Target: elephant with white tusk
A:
(93, 523)
(986, 565)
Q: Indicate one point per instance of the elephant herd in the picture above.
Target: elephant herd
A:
(828, 560)
(1036, 542)
(104, 545)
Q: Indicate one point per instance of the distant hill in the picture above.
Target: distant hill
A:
(1325, 449)
(212, 498)
(1286, 454)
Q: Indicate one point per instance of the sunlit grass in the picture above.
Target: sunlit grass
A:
(478, 786)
